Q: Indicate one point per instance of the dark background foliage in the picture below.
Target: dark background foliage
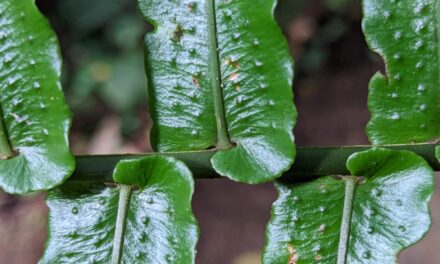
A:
(105, 85)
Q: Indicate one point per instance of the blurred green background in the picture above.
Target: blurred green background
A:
(105, 85)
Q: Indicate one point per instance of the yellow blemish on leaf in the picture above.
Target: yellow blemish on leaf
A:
(232, 63)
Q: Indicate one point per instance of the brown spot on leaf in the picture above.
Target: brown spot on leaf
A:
(232, 63)
(196, 81)
(178, 33)
(318, 257)
(192, 7)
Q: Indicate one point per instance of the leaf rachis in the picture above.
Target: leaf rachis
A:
(350, 188)
(118, 240)
(222, 133)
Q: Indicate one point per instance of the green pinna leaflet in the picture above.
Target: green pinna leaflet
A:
(34, 119)
(405, 104)
(145, 218)
(220, 78)
(353, 219)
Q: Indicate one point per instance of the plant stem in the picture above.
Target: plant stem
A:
(344, 238)
(5, 148)
(309, 162)
(214, 65)
(118, 240)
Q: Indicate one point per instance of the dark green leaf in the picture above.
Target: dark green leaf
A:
(220, 74)
(146, 218)
(33, 115)
(437, 153)
(353, 219)
(405, 104)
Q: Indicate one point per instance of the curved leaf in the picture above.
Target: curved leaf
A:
(353, 220)
(220, 75)
(405, 105)
(147, 218)
(33, 115)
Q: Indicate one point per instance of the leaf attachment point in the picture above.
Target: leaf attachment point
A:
(146, 218)
(367, 219)
(224, 83)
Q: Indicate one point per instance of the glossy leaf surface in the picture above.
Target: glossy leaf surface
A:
(405, 104)
(146, 218)
(220, 76)
(387, 213)
(34, 118)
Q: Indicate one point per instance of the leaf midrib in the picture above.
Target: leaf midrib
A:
(118, 239)
(214, 64)
(344, 235)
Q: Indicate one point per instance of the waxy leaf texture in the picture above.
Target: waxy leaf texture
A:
(220, 76)
(34, 119)
(387, 211)
(145, 218)
(405, 104)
